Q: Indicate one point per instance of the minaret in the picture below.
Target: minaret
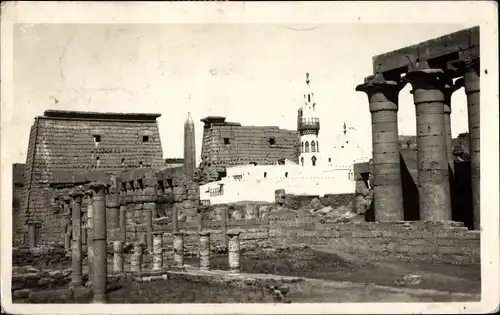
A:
(189, 147)
(308, 127)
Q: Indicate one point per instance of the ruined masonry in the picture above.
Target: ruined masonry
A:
(66, 142)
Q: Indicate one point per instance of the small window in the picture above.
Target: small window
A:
(309, 98)
(313, 160)
(265, 174)
(329, 160)
(302, 161)
(145, 138)
(226, 141)
(140, 164)
(286, 174)
(342, 147)
(97, 138)
(272, 141)
(123, 161)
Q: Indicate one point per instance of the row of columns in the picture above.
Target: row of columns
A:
(97, 242)
(432, 90)
(178, 253)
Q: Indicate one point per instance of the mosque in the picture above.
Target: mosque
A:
(322, 165)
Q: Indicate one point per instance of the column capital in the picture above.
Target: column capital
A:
(98, 188)
(77, 195)
(427, 84)
(382, 94)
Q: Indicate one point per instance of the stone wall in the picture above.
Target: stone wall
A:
(63, 141)
(228, 144)
(436, 242)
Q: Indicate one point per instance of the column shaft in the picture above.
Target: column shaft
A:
(99, 244)
(205, 251)
(434, 187)
(234, 252)
(472, 90)
(387, 185)
(90, 238)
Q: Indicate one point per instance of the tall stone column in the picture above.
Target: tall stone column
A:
(99, 243)
(472, 90)
(90, 237)
(434, 187)
(449, 89)
(76, 262)
(189, 147)
(387, 186)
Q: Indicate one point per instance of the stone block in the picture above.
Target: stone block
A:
(21, 294)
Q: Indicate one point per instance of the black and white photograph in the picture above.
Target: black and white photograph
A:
(220, 157)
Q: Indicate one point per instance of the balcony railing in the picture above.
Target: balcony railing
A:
(308, 123)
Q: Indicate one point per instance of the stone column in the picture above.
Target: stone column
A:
(234, 252)
(472, 90)
(99, 243)
(113, 207)
(223, 223)
(76, 262)
(90, 237)
(123, 215)
(118, 256)
(383, 97)
(434, 187)
(178, 249)
(136, 261)
(204, 250)
(158, 251)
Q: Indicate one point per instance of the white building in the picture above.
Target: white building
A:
(318, 172)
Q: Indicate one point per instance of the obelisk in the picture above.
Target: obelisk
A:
(189, 147)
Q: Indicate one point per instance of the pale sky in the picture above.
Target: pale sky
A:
(250, 73)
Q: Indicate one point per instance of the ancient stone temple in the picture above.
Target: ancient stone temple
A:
(229, 144)
(434, 69)
(71, 142)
